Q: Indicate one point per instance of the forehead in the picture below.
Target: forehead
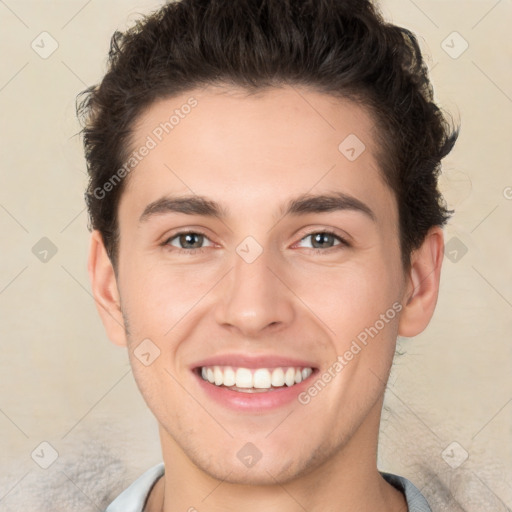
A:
(249, 150)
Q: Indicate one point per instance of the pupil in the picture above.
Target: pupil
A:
(188, 239)
(322, 239)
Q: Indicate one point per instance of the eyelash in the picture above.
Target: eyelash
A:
(201, 250)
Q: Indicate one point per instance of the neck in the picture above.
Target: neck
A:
(347, 480)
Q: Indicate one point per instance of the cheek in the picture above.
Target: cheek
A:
(156, 298)
(352, 297)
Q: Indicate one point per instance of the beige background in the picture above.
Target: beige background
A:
(63, 383)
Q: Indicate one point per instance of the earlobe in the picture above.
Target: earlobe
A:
(105, 290)
(422, 288)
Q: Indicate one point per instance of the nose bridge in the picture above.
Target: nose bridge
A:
(253, 297)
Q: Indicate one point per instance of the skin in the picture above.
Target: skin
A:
(253, 154)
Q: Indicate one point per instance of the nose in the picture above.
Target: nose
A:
(254, 298)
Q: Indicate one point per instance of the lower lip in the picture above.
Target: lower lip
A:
(256, 401)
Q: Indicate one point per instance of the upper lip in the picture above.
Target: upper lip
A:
(248, 361)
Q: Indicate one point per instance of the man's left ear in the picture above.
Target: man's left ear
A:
(420, 297)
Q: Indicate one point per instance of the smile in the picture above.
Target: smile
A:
(251, 380)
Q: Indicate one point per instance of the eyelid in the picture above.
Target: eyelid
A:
(343, 236)
(183, 230)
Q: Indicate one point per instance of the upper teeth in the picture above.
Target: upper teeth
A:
(260, 378)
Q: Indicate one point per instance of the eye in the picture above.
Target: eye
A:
(189, 241)
(324, 240)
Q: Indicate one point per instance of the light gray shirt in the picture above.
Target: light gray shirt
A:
(134, 497)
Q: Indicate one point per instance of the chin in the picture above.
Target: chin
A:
(271, 469)
(260, 474)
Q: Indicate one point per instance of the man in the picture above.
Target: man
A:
(266, 222)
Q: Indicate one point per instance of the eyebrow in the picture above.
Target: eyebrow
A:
(301, 205)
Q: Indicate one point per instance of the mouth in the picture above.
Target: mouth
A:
(253, 383)
(254, 380)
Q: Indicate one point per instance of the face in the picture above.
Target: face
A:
(259, 248)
